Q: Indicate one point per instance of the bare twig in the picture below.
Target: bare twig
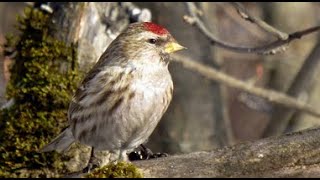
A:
(262, 24)
(303, 80)
(270, 95)
(225, 116)
(268, 49)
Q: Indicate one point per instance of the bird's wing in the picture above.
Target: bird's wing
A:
(101, 90)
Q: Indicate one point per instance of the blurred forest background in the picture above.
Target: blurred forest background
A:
(204, 114)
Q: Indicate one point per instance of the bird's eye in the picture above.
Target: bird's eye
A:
(152, 41)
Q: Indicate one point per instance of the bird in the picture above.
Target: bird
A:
(122, 98)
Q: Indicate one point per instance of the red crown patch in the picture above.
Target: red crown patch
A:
(155, 28)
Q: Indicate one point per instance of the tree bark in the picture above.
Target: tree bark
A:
(8, 12)
(90, 25)
(290, 155)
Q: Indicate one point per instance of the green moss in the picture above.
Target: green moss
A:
(44, 76)
(119, 170)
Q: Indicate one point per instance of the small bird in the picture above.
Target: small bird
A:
(123, 97)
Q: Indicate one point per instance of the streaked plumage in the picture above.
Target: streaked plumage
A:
(123, 97)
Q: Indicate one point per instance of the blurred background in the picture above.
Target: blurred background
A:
(203, 114)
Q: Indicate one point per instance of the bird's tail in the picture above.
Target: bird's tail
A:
(60, 143)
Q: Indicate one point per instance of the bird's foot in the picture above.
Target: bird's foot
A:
(145, 154)
(159, 155)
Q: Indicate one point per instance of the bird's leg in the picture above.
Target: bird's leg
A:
(92, 163)
(123, 155)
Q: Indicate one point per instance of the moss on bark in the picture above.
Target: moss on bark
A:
(118, 170)
(44, 76)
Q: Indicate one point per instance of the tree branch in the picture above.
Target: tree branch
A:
(291, 155)
(262, 24)
(268, 49)
(270, 95)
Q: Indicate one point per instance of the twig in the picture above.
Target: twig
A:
(262, 24)
(270, 95)
(268, 49)
(303, 80)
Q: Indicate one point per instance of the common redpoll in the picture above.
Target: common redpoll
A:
(125, 94)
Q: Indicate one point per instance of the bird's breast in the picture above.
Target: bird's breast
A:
(153, 92)
(152, 83)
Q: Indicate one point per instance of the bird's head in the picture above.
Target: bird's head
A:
(146, 42)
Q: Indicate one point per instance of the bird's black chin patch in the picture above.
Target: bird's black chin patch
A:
(165, 58)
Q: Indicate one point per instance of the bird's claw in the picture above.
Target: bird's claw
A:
(158, 155)
(145, 154)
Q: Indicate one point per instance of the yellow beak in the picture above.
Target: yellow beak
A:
(173, 46)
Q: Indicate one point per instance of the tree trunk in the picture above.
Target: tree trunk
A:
(8, 12)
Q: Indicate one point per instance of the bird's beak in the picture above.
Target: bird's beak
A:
(173, 46)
